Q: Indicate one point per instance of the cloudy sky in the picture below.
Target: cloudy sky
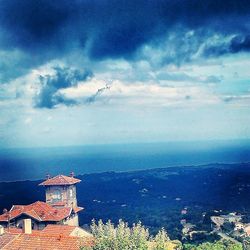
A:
(94, 72)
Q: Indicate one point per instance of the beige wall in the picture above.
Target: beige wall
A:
(72, 220)
(79, 232)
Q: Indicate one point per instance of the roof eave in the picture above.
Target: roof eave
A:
(63, 184)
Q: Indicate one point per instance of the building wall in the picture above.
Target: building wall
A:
(71, 196)
(79, 232)
(65, 194)
(72, 220)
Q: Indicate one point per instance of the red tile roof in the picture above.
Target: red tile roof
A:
(13, 230)
(39, 211)
(53, 230)
(63, 230)
(52, 237)
(48, 242)
(6, 238)
(60, 180)
(16, 230)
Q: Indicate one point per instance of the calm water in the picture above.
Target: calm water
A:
(21, 164)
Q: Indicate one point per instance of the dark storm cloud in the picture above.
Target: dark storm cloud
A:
(238, 43)
(49, 97)
(113, 29)
(31, 24)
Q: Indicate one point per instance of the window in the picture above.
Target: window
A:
(56, 195)
(70, 193)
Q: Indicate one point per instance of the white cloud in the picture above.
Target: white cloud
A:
(139, 93)
(28, 120)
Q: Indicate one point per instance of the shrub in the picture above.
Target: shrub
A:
(122, 237)
(161, 240)
(219, 245)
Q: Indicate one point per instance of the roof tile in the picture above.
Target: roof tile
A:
(48, 242)
(39, 210)
(60, 180)
(5, 239)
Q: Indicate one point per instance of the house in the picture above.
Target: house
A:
(52, 237)
(226, 221)
(60, 206)
(247, 230)
(239, 226)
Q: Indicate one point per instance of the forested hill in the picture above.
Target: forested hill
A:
(155, 197)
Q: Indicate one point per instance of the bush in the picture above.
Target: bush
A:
(219, 245)
(161, 240)
(122, 237)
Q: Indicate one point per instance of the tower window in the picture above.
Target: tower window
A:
(56, 195)
(70, 193)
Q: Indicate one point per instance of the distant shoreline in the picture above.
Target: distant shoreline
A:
(177, 167)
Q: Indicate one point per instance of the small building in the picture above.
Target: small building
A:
(61, 190)
(61, 193)
(247, 230)
(60, 206)
(239, 226)
(224, 220)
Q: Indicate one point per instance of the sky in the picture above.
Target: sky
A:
(99, 72)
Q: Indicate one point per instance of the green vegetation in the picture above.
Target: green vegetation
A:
(219, 245)
(122, 237)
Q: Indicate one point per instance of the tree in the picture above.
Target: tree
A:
(109, 237)
(218, 245)
(211, 246)
(161, 240)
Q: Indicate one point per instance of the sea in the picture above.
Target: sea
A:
(36, 163)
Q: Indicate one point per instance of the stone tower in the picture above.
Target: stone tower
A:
(61, 192)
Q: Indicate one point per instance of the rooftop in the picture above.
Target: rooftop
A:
(26, 242)
(53, 237)
(65, 230)
(44, 240)
(60, 180)
(5, 239)
(39, 211)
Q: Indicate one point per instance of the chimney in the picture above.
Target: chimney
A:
(27, 229)
(1, 230)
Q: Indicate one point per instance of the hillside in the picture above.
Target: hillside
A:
(155, 197)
